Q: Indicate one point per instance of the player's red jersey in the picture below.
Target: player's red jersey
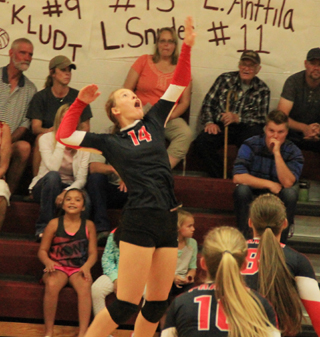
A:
(198, 314)
(137, 152)
(301, 268)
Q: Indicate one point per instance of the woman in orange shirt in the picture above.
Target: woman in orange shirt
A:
(149, 77)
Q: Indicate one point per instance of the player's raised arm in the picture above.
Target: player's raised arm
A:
(89, 93)
(67, 133)
(182, 74)
(190, 35)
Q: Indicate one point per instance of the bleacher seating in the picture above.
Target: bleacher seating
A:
(310, 168)
(21, 293)
(21, 270)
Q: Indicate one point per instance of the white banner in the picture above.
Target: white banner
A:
(103, 29)
(98, 35)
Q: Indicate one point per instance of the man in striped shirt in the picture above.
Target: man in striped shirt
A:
(16, 91)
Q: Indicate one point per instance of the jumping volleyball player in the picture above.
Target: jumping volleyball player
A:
(148, 242)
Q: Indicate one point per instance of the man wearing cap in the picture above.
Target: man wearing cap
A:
(237, 99)
(46, 102)
(300, 100)
(16, 92)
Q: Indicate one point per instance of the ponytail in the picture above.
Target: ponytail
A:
(278, 285)
(275, 282)
(224, 251)
(109, 105)
(49, 80)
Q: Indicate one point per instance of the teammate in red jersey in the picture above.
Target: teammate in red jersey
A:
(281, 274)
(223, 306)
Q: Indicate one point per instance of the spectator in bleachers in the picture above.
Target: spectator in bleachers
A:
(69, 251)
(281, 274)
(267, 163)
(5, 154)
(149, 77)
(223, 306)
(106, 191)
(107, 283)
(45, 103)
(16, 92)
(61, 169)
(300, 100)
(187, 254)
(246, 98)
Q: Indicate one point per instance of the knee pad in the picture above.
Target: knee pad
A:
(121, 311)
(152, 311)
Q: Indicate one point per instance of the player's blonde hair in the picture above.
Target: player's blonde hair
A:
(225, 251)
(182, 216)
(268, 214)
(109, 105)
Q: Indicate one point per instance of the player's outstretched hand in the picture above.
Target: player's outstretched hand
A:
(190, 35)
(89, 93)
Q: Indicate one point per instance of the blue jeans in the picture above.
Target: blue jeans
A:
(243, 195)
(45, 192)
(103, 196)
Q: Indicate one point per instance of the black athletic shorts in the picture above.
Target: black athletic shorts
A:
(148, 227)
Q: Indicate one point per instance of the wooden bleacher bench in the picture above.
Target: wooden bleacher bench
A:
(205, 193)
(22, 291)
(311, 165)
(194, 192)
(195, 164)
(21, 294)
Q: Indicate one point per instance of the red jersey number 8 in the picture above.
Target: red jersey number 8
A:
(252, 262)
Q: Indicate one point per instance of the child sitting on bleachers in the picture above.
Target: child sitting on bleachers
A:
(187, 254)
(107, 283)
(68, 250)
